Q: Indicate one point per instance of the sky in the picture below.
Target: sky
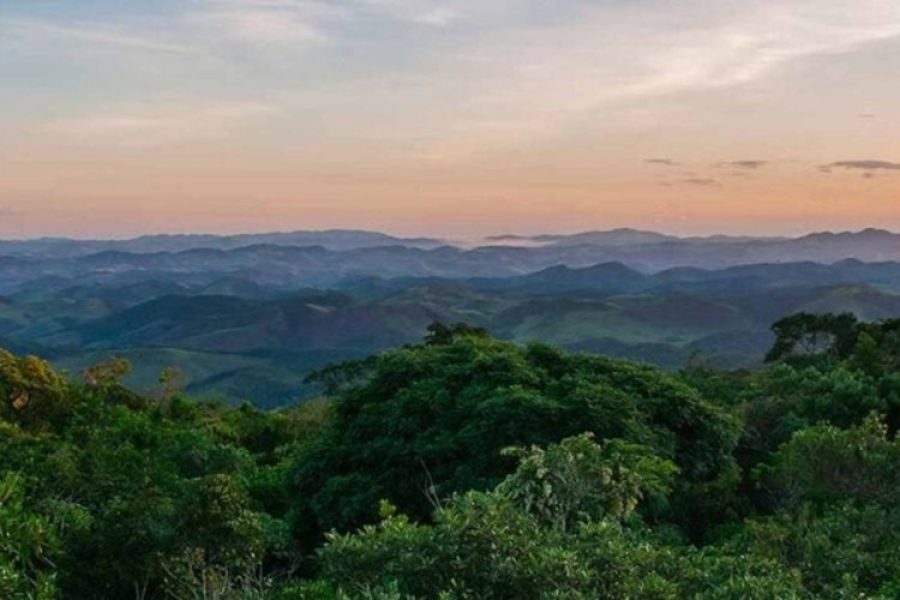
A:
(456, 118)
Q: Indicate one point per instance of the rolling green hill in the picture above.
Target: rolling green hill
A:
(262, 345)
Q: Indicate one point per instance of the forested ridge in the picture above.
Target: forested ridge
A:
(466, 467)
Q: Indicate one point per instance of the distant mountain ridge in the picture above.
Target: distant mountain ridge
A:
(616, 277)
(624, 236)
(612, 237)
(333, 239)
(249, 316)
(339, 256)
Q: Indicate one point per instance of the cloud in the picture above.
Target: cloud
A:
(438, 17)
(264, 22)
(204, 27)
(35, 31)
(160, 126)
(498, 74)
(723, 52)
(863, 165)
(421, 12)
(701, 181)
(609, 56)
(661, 161)
(744, 164)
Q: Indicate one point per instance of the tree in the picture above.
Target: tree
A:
(825, 464)
(579, 481)
(440, 334)
(806, 334)
(27, 543)
(432, 420)
(537, 535)
(32, 394)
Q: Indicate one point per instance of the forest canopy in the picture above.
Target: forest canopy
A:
(466, 467)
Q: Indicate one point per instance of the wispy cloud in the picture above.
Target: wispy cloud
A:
(264, 22)
(37, 31)
(666, 162)
(610, 56)
(423, 12)
(863, 165)
(438, 17)
(700, 181)
(498, 74)
(205, 25)
(159, 126)
(200, 27)
(751, 165)
(733, 47)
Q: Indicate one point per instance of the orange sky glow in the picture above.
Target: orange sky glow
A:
(448, 119)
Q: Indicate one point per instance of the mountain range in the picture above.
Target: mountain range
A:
(334, 239)
(325, 259)
(249, 316)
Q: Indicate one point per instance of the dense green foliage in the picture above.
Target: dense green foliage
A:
(430, 421)
(466, 467)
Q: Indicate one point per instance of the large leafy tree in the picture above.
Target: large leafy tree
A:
(419, 424)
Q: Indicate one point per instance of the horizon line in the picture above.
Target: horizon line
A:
(449, 239)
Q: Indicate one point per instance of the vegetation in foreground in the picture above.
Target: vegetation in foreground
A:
(465, 467)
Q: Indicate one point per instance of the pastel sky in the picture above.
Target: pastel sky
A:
(121, 117)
